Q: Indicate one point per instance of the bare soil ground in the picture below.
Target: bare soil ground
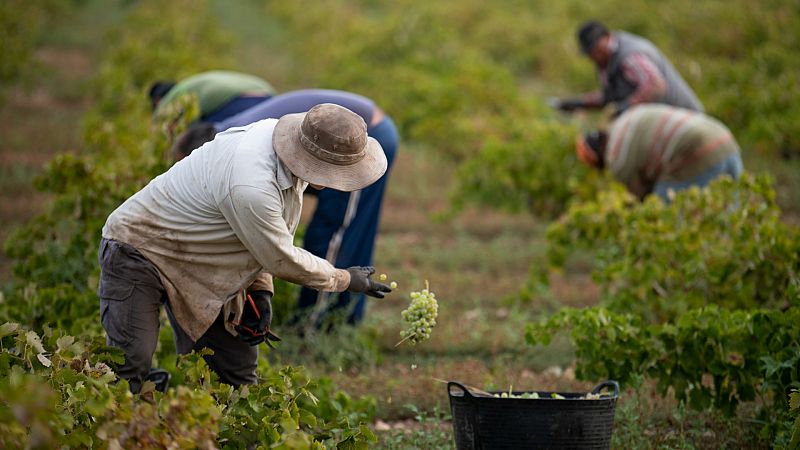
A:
(37, 121)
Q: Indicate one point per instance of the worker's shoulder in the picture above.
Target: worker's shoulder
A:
(322, 96)
(251, 152)
(649, 110)
(631, 37)
(215, 75)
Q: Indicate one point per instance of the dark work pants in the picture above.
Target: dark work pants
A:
(343, 229)
(131, 296)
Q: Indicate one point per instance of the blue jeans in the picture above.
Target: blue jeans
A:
(343, 231)
(732, 165)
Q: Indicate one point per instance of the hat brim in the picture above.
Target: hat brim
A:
(286, 142)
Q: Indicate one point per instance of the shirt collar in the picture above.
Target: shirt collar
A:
(286, 179)
(285, 176)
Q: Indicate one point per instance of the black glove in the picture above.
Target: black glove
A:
(253, 327)
(361, 282)
(570, 104)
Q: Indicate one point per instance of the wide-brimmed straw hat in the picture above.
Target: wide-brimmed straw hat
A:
(328, 146)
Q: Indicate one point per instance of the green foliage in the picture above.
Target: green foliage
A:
(410, 58)
(449, 75)
(794, 405)
(337, 346)
(61, 390)
(724, 245)
(456, 77)
(76, 400)
(66, 307)
(708, 357)
(21, 23)
(681, 283)
(532, 169)
(55, 253)
(646, 421)
(427, 432)
(286, 408)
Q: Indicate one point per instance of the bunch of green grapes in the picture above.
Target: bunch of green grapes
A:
(420, 316)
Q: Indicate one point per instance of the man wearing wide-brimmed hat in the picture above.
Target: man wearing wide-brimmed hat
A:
(344, 226)
(205, 238)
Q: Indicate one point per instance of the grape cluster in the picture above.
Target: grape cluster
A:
(528, 395)
(535, 395)
(420, 316)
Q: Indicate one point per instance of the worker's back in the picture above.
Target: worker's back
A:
(618, 89)
(300, 101)
(214, 89)
(661, 142)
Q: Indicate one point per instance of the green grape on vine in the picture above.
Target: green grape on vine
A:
(420, 316)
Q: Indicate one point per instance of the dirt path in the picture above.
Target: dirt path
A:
(39, 118)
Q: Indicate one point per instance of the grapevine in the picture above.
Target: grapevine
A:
(420, 316)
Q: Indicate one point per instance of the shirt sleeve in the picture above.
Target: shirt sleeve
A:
(640, 71)
(256, 216)
(263, 282)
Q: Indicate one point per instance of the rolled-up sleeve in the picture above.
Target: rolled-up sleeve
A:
(256, 217)
(263, 282)
(640, 71)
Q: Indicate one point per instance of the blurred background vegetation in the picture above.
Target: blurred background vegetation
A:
(467, 83)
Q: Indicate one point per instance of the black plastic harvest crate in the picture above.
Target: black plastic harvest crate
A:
(482, 422)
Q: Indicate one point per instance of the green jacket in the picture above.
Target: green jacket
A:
(214, 89)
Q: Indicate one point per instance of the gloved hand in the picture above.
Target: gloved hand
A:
(253, 327)
(361, 282)
(569, 104)
(621, 108)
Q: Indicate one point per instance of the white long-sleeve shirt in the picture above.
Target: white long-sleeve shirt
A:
(216, 220)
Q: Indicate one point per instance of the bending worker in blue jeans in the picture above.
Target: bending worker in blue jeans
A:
(660, 149)
(344, 225)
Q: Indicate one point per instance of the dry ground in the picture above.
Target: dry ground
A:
(38, 119)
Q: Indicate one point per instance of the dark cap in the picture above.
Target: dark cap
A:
(589, 33)
(158, 90)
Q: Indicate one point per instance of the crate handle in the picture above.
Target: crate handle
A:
(607, 384)
(455, 384)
